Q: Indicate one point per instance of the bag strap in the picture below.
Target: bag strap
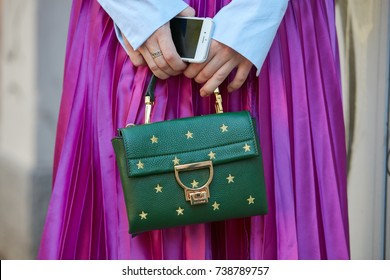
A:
(149, 99)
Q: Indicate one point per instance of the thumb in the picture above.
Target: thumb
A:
(187, 12)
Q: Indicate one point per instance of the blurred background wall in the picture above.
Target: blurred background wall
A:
(32, 48)
(363, 32)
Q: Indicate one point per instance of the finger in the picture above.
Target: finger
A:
(216, 52)
(161, 62)
(209, 70)
(194, 69)
(136, 58)
(171, 60)
(161, 42)
(241, 75)
(217, 79)
(152, 64)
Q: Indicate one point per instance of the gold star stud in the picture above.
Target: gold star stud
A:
(247, 148)
(189, 134)
(140, 165)
(143, 215)
(154, 139)
(211, 155)
(176, 161)
(230, 179)
(215, 206)
(158, 188)
(180, 211)
(194, 184)
(251, 200)
(224, 128)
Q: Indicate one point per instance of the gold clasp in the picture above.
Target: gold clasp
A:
(200, 195)
(218, 101)
(148, 109)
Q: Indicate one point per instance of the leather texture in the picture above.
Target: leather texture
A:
(228, 146)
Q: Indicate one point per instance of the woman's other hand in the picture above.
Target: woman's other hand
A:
(220, 62)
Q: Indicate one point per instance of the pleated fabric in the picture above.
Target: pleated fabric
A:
(296, 101)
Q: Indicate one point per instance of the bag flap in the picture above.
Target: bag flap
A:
(157, 147)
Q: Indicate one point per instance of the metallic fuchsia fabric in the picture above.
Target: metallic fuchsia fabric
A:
(296, 101)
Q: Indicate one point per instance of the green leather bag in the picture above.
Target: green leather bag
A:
(190, 170)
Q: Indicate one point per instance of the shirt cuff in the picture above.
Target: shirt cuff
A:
(251, 25)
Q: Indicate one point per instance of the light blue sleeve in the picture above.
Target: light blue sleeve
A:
(138, 19)
(249, 27)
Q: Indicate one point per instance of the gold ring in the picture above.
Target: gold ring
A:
(156, 54)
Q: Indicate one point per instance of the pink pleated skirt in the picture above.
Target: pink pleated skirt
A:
(296, 101)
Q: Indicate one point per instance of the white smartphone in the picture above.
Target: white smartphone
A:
(192, 37)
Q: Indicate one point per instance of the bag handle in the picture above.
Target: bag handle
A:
(149, 99)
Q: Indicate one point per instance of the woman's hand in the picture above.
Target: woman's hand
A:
(159, 52)
(220, 62)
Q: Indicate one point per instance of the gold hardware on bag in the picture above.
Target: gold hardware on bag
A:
(218, 101)
(148, 109)
(200, 195)
(149, 103)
